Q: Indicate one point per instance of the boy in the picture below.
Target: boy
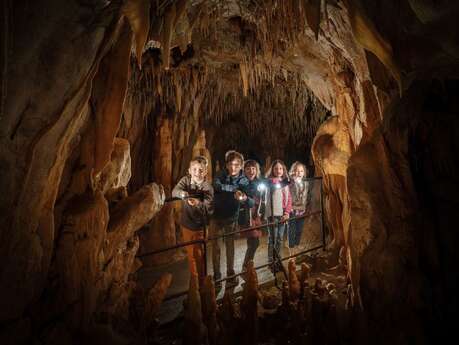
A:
(197, 195)
(230, 187)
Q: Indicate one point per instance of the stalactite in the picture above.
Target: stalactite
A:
(168, 29)
(138, 15)
(369, 37)
(108, 96)
(244, 78)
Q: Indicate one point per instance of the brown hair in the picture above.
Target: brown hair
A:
(200, 160)
(232, 155)
(269, 173)
(253, 163)
(295, 165)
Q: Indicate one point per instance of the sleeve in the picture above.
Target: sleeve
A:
(288, 207)
(208, 203)
(308, 194)
(221, 187)
(180, 187)
(250, 191)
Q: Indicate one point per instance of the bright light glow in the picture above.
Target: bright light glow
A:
(261, 187)
(241, 197)
(183, 194)
(277, 185)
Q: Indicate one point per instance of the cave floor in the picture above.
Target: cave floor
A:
(172, 308)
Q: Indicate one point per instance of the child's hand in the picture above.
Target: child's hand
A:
(284, 217)
(183, 194)
(192, 201)
(240, 196)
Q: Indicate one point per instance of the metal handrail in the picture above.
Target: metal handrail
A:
(205, 240)
(184, 292)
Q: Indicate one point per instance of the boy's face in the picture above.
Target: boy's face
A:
(197, 171)
(234, 167)
(250, 172)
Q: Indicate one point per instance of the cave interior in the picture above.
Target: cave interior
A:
(104, 103)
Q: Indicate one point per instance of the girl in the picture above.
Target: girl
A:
(279, 206)
(299, 190)
(251, 214)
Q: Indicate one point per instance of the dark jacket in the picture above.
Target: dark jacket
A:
(249, 210)
(252, 214)
(194, 217)
(226, 207)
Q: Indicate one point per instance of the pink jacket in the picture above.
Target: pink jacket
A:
(286, 197)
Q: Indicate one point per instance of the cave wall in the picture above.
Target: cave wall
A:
(68, 222)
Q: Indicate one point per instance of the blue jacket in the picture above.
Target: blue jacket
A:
(226, 207)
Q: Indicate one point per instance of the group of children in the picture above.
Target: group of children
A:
(239, 198)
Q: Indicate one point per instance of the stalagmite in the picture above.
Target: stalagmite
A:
(249, 303)
(293, 282)
(195, 332)
(77, 258)
(209, 310)
(154, 299)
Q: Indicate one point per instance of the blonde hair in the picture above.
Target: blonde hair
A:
(296, 165)
(199, 160)
(269, 173)
(253, 163)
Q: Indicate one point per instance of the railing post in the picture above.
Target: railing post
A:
(322, 220)
(204, 250)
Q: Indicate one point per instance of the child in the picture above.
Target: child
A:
(252, 213)
(300, 192)
(195, 210)
(230, 187)
(279, 206)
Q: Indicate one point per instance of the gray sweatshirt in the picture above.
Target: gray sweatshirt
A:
(195, 217)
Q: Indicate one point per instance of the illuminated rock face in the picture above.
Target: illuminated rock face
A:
(85, 132)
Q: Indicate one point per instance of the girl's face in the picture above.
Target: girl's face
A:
(299, 171)
(278, 170)
(250, 172)
(234, 167)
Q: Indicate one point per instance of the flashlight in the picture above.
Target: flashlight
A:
(240, 197)
(261, 187)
